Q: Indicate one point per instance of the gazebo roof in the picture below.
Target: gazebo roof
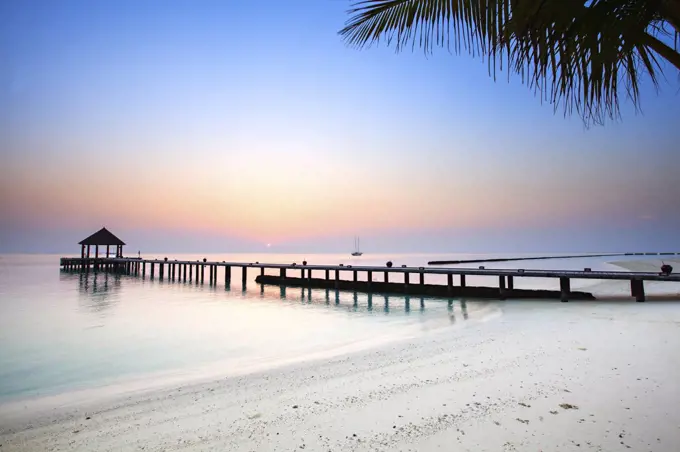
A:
(102, 237)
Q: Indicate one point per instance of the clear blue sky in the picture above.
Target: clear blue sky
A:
(186, 125)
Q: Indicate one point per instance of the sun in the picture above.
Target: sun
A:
(269, 245)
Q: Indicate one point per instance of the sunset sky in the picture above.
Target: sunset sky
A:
(227, 125)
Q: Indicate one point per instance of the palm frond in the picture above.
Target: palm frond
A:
(573, 53)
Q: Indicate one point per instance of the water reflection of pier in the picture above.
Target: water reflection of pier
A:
(368, 302)
(99, 290)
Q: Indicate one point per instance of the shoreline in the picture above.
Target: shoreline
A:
(495, 384)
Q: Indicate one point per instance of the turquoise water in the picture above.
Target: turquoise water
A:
(61, 331)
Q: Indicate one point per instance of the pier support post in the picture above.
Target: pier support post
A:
(261, 271)
(565, 289)
(153, 268)
(184, 272)
(422, 278)
(302, 273)
(191, 272)
(282, 273)
(244, 275)
(369, 278)
(337, 279)
(407, 276)
(161, 270)
(202, 273)
(449, 283)
(227, 274)
(212, 275)
(511, 282)
(637, 289)
(328, 275)
(501, 287)
(462, 280)
(387, 277)
(355, 276)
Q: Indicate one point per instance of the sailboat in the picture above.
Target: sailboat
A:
(356, 252)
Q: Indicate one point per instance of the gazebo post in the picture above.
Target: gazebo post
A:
(107, 251)
(82, 251)
(88, 251)
(96, 251)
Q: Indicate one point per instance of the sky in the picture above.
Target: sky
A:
(242, 126)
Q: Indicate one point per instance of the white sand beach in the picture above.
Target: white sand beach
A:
(550, 376)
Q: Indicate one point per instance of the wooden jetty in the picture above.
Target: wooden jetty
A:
(431, 290)
(333, 275)
(195, 271)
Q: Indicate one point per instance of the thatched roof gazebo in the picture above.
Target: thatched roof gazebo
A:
(102, 237)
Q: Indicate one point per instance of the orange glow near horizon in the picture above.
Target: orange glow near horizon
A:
(266, 198)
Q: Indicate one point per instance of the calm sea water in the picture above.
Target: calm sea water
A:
(61, 331)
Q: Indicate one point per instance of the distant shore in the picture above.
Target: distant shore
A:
(536, 258)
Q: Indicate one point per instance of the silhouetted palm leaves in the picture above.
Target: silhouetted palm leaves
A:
(577, 54)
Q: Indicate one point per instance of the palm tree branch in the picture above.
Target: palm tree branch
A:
(572, 53)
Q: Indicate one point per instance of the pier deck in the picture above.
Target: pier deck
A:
(179, 269)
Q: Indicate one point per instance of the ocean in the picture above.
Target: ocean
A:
(64, 331)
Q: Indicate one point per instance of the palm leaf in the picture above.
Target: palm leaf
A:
(575, 54)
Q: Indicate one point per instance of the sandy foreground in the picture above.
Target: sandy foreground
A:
(529, 376)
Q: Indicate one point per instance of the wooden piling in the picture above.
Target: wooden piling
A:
(244, 275)
(511, 282)
(462, 280)
(501, 287)
(565, 289)
(406, 281)
(337, 279)
(449, 283)
(637, 289)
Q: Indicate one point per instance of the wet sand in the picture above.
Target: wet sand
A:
(530, 376)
